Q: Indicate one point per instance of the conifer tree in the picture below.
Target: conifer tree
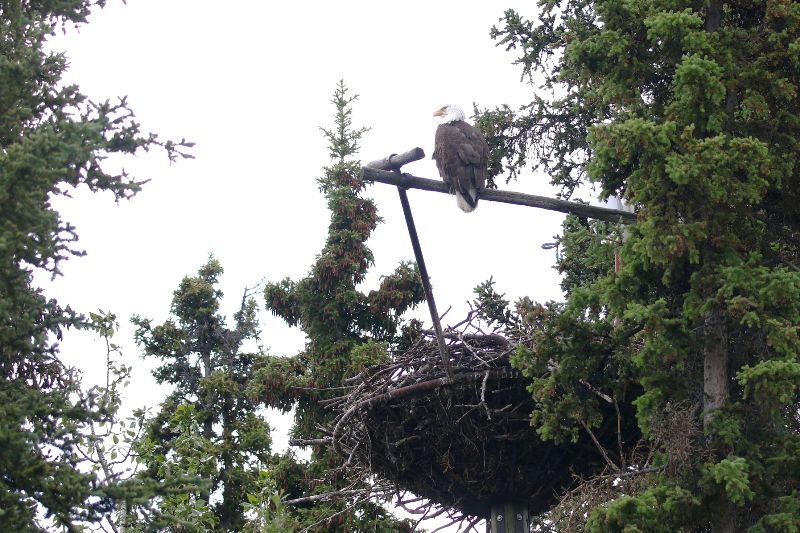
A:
(690, 111)
(208, 426)
(53, 140)
(346, 329)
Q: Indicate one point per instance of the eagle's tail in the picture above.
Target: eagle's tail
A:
(469, 201)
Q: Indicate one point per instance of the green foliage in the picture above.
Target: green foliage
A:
(732, 475)
(587, 251)
(337, 317)
(658, 510)
(270, 515)
(53, 140)
(343, 139)
(347, 329)
(209, 426)
(575, 362)
(492, 307)
(689, 111)
(107, 446)
(783, 518)
(189, 455)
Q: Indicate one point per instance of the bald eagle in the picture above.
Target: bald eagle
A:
(461, 155)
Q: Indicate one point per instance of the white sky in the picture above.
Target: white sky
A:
(250, 83)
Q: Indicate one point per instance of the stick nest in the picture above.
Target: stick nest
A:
(465, 443)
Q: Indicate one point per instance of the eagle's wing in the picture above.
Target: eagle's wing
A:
(462, 156)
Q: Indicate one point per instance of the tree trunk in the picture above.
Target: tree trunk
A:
(715, 366)
(715, 360)
(727, 523)
(208, 422)
(715, 396)
(714, 15)
(228, 509)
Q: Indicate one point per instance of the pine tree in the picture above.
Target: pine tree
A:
(346, 329)
(53, 140)
(208, 426)
(690, 111)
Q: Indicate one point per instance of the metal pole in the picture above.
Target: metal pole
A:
(426, 284)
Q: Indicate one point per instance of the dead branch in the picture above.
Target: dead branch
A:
(325, 496)
(414, 389)
(599, 446)
(309, 442)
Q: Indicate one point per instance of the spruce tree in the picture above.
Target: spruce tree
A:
(346, 329)
(688, 110)
(208, 426)
(53, 141)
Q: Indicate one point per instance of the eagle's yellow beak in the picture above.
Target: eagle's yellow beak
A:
(440, 112)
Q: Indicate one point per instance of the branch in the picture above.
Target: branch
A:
(407, 181)
(407, 390)
(309, 442)
(324, 496)
(599, 446)
(600, 394)
(463, 337)
(347, 509)
(640, 472)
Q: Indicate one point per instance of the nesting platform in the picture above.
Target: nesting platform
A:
(465, 443)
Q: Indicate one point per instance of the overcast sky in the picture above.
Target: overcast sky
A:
(250, 83)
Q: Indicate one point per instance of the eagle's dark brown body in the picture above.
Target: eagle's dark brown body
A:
(462, 156)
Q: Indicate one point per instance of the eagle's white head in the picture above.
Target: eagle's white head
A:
(450, 113)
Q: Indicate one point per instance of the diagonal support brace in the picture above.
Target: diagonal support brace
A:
(426, 284)
(393, 163)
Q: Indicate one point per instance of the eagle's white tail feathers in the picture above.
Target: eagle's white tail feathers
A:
(464, 204)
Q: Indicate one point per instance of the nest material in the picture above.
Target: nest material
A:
(464, 443)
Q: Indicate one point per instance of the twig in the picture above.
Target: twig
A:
(407, 390)
(455, 335)
(483, 395)
(323, 496)
(601, 394)
(470, 350)
(309, 442)
(347, 509)
(449, 308)
(640, 472)
(472, 523)
(599, 446)
(425, 516)
(452, 521)
(619, 434)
